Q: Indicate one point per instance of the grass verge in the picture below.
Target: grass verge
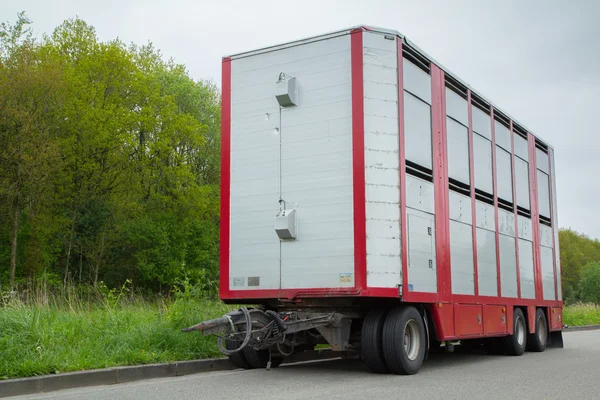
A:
(36, 340)
(581, 314)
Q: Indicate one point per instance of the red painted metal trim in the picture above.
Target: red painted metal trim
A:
(225, 177)
(297, 294)
(440, 182)
(358, 160)
(514, 192)
(551, 187)
(421, 297)
(403, 217)
(473, 205)
(495, 183)
(535, 219)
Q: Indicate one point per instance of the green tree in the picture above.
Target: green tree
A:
(590, 283)
(30, 87)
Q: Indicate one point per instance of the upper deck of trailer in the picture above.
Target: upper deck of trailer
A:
(406, 42)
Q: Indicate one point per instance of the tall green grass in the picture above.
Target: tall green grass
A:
(581, 314)
(58, 336)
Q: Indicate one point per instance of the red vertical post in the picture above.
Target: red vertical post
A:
(535, 218)
(402, 154)
(440, 182)
(514, 191)
(225, 177)
(358, 159)
(473, 205)
(495, 182)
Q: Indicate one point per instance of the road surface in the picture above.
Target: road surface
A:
(569, 373)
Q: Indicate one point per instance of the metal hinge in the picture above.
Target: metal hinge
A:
(429, 230)
(431, 264)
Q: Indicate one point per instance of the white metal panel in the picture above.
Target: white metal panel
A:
(422, 275)
(458, 151)
(482, 123)
(541, 160)
(486, 263)
(524, 227)
(506, 222)
(521, 147)
(316, 168)
(485, 216)
(545, 235)
(417, 131)
(416, 81)
(457, 107)
(508, 266)
(504, 174)
(461, 258)
(419, 194)
(526, 269)
(482, 160)
(543, 194)
(547, 273)
(522, 183)
(316, 173)
(555, 225)
(502, 136)
(382, 161)
(460, 208)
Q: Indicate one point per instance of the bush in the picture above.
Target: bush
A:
(590, 283)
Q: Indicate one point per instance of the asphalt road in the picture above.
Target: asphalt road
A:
(569, 373)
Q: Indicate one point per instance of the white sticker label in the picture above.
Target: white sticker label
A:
(345, 279)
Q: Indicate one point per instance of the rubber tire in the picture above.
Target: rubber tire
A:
(371, 345)
(511, 345)
(393, 341)
(534, 342)
(238, 358)
(260, 358)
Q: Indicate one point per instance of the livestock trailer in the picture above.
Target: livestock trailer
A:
(371, 200)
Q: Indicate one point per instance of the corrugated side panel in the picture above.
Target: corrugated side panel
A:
(382, 161)
(508, 266)
(547, 273)
(526, 269)
(487, 274)
(316, 169)
(461, 244)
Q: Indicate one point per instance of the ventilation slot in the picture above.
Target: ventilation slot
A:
(456, 86)
(419, 171)
(480, 103)
(484, 197)
(415, 58)
(545, 221)
(501, 119)
(460, 187)
(524, 212)
(505, 205)
(541, 145)
(519, 131)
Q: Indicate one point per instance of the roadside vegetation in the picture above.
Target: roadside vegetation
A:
(47, 334)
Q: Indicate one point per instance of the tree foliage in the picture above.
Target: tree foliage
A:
(109, 166)
(590, 283)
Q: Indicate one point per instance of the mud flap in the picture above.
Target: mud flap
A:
(556, 340)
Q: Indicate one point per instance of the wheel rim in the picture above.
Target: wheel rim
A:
(520, 331)
(541, 330)
(412, 340)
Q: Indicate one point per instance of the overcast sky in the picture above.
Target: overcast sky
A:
(537, 60)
